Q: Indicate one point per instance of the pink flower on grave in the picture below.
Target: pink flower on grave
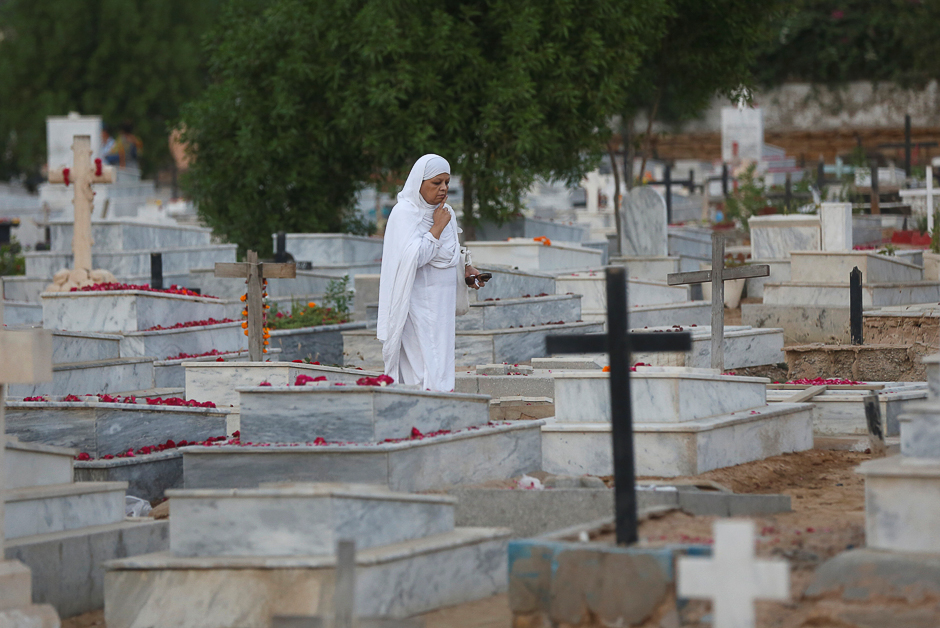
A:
(416, 433)
(265, 383)
(83, 456)
(319, 441)
(381, 380)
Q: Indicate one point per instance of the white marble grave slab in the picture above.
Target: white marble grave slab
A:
(55, 508)
(834, 267)
(218, 381)
(471, 456)
(687, 448)
(165, 343)
(743, 347)
(126, 234)
(301, 519)
(774, 237)
(351, 413)
(836, 225)
(798, 295)
(527, 254)
(644, 231)
(331, 248)
(125, 310)
(902, 504)
(657, 394)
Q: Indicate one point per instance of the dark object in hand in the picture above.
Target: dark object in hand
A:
(483, 277)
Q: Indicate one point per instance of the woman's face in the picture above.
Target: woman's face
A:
(434, 190)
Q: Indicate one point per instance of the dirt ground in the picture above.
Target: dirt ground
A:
(828, 500)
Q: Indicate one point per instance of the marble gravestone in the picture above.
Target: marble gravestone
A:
(60, 131)
(835, 220)
(644, 224)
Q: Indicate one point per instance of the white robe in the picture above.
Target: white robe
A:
(418, 291)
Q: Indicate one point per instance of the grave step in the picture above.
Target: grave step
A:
(898, 491)
(125, 310)
(686, 448)
(68, 567)
(528, 254)
(837, 295)
(162, 393)
(330, 248)
(94, 377)
(592, 288)
(512, 283)
(834, 267)
(443, 570)
(69, 347)
(500, 386)
(842, 412)
(20, 312)
(408, 466)
(658, 395)
(648, 268)
(55, 508)
(129, 235)
(354, 414)
(163, 344)
(492, 314)
(301, 519)
(488, 346)
(305, 284)
(101, 428)
(178, 260)
(743, 347)
(217, 381)
(35, 464)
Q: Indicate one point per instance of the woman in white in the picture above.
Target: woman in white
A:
(420, 279)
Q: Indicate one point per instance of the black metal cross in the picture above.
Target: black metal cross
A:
(618, 343)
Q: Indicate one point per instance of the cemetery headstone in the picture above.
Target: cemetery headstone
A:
(60, 131)
(255, 274)
(733, 578)
(717, 276)
(835, 221)
(618, 343)
(82, 174)
(644, 224)
(742, 134)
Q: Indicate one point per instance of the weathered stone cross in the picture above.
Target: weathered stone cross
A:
(255, 274)
(619, 343)
(732, 578)
(25, 358)
(717, 276)
(82, 174)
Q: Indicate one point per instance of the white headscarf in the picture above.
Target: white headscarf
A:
(403, 234)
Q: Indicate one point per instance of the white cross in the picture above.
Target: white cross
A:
(81, 175)
(732, 579)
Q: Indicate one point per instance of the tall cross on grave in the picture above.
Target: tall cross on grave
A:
(82, 175)
(255, 273)
(733, 578)
(25, 358)
(717, 276)
(344, 601)
(618, 343)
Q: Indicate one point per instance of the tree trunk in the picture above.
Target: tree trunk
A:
(469, 222)
(626, 132)
(616, 170)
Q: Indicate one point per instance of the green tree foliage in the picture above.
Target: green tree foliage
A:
(836, 41)
(127, 60)
(708, 49)
(309, 101)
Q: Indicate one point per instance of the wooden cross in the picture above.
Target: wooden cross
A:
(344, 599)
(717, 276)
(733, 578)
(82, 174)
(25, 358)
(255, 273)
(618, 343)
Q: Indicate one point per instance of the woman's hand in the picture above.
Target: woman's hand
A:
(441, 218)
(470, 271)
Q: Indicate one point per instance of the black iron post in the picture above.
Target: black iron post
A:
(855, 305)
(156, 271)
(280, 251)
(667, 179)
